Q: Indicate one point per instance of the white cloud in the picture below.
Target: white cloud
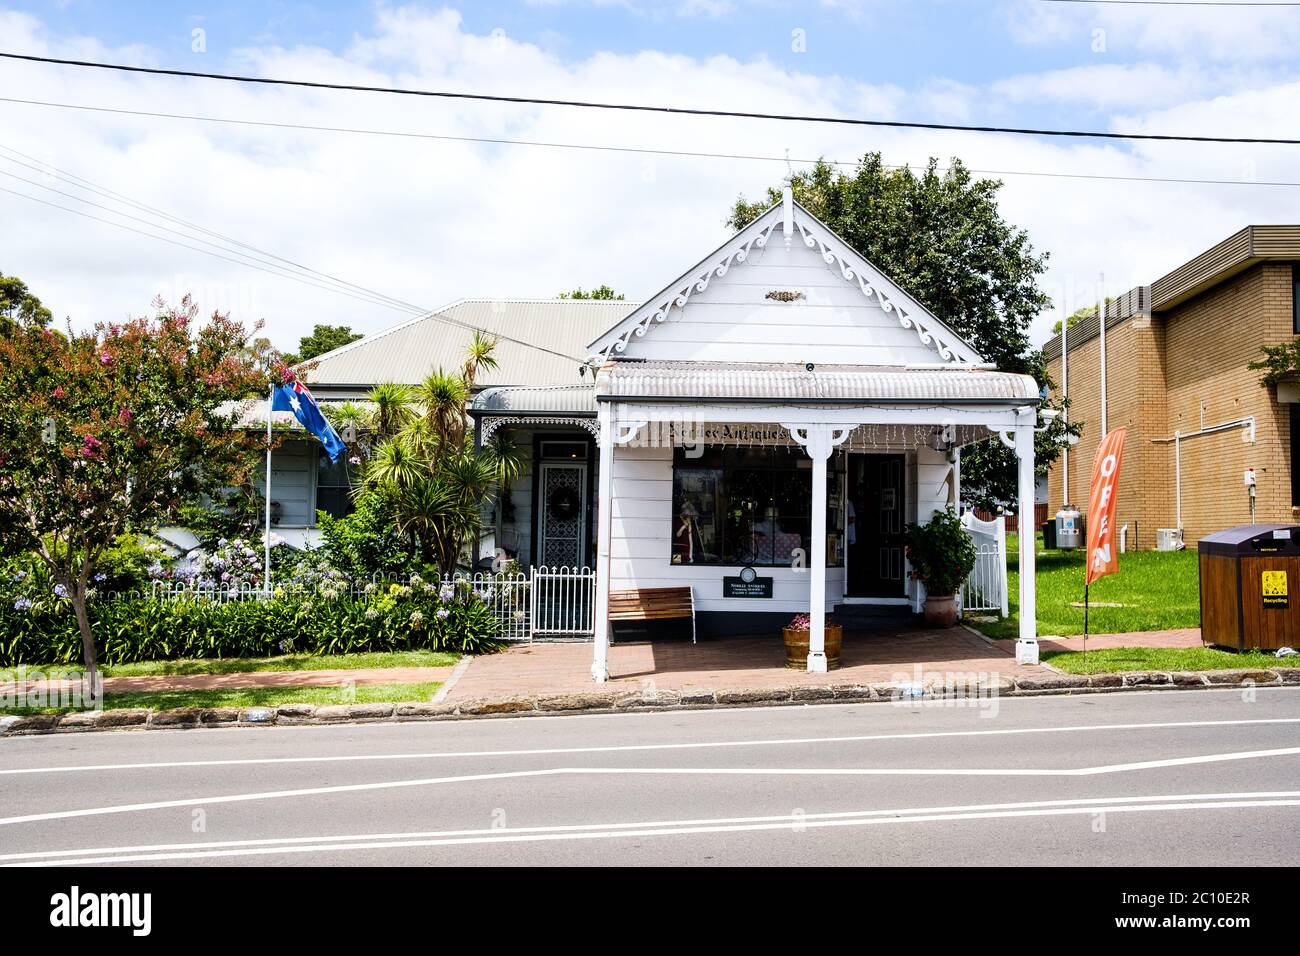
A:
(431, 221)
(1216, 32)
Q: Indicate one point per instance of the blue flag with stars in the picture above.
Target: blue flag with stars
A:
(294, 397)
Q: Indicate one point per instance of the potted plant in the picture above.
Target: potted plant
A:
(942, 556)
(796, 635)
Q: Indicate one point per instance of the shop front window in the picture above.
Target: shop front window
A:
(746, 506)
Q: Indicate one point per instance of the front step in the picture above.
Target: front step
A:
(862, 617)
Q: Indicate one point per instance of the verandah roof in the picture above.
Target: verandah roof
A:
(795, 383)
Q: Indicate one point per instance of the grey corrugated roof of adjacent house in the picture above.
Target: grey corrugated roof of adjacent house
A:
(826, 383)
(535, 399)
(1136, 301)
(408, 352)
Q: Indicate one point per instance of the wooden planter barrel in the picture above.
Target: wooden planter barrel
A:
(796, 647)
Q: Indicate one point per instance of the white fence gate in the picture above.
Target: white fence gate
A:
(986, 588)
(563, 603)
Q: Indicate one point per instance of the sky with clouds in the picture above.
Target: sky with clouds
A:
(429, 220)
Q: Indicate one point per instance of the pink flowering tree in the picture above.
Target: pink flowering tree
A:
(109, 431)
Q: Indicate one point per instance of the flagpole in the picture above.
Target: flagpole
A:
(266, 539)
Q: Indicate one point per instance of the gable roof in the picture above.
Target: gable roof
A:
(797, 225)
(407, 352)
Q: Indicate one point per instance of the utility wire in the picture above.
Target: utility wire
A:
(642, 108)
(151, 235)
(45, 169)
(246, 258)
(430, 314)
(635, 150)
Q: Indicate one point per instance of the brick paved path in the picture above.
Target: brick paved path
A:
(734, 662)
(1182, 637)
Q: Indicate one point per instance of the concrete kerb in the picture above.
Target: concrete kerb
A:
(630, 701)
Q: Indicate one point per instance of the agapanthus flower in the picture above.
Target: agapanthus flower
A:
(60, 591)
(443, 614)
(416, 620)
(23, 604)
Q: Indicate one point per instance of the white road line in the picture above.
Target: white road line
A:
(633, 748)
(653, 771)
(790, 819)
(589, 834)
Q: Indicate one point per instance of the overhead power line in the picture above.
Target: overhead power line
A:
(36, 164)
(597, 147)
(236, 257)
(643, 108)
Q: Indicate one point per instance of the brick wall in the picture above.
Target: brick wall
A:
(1160, 370)
(1134, 370)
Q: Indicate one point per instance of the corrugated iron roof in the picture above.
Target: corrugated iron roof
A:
(539, 399)
(406, 353)
(847, 383)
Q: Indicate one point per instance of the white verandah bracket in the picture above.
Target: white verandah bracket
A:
(625, 432)
(819, 441)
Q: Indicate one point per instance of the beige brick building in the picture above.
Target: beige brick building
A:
(1176, 356)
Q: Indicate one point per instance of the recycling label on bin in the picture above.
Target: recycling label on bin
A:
(1273, 587)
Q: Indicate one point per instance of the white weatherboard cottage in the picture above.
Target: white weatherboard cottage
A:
(782, 406)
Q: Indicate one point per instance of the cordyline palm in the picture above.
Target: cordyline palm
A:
(442, 398)
(397, 463)
(479, 357)
(506, 459)
(390, 409)
(439, 481)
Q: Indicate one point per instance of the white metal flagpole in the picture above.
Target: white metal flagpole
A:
(1065, 402)
(1101, 325)
(266, 539)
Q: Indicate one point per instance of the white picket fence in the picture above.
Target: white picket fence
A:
(555, 603)
(986, 588)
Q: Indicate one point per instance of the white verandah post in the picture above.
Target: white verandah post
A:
(819, 442)
(1027, 644)
(604, 524)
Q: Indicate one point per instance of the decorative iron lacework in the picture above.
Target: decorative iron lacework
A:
(872, 286)
(681, 294)
(491, 424)
(931, 333)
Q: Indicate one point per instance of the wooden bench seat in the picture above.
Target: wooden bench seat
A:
(653, 604)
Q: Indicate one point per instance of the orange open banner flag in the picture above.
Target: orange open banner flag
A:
(1103, 554)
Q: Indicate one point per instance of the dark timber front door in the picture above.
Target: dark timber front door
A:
(876, 490)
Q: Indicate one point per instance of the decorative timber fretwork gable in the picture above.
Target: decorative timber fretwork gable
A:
(792, 223)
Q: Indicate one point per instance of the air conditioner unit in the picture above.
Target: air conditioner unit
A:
(1169, 539)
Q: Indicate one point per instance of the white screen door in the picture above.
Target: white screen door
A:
(562, 500)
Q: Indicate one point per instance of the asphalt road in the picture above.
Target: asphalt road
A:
(1161, 778)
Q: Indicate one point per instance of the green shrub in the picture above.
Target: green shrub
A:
(366, 542)
(941, 552)
(394, 617)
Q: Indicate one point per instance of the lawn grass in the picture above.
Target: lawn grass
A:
(1158, 590)
(1162, 659)
(257, 697)
(242, 665)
